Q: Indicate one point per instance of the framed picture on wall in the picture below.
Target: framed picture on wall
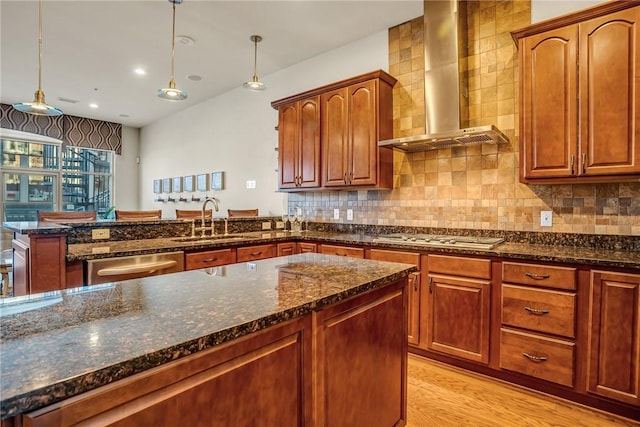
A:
(177, 184)
(188, 183)
(166, 185)
(156, 186)
(202, 183)
(217, 180)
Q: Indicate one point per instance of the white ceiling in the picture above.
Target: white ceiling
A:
(91, 47)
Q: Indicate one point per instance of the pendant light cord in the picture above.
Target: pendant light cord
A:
(255, 59)
(173, 39)
(40, 46)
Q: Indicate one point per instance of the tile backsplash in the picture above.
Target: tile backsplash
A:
(474, 187)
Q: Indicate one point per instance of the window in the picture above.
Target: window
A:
(42, 176)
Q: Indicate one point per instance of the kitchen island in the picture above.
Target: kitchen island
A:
(306, 339)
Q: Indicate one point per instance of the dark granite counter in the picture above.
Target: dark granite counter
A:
(58, 344)
(521, 251)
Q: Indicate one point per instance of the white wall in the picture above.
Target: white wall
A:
(546, 9)
(126, 195)
(235, 133)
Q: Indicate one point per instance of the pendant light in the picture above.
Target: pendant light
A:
(172, 93)
(38, 106)
(255, 84)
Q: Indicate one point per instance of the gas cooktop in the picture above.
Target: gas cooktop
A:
(436, 240)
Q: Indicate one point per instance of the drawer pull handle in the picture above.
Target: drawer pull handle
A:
(536, 311)
(209, 259)
(414, 279)
(255, 253)
(537, 359)
(537, 276)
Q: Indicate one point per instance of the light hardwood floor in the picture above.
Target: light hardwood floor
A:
(443, 396)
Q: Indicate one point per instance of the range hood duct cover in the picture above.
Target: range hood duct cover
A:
(444, 26)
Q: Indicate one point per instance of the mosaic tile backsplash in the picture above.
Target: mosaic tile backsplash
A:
(474, 187)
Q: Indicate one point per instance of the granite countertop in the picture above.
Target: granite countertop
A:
(519, 251)
(58, 344)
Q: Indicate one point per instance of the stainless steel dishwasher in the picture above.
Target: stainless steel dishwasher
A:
(132, 267)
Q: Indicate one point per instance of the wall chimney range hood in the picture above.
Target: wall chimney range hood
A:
(445, 90)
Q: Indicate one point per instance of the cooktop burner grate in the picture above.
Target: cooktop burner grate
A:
(438, 240)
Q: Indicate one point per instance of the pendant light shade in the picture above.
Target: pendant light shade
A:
(255, 84)
(172, 93)
(38, 106)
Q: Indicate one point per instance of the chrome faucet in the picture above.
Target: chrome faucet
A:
(204, 207)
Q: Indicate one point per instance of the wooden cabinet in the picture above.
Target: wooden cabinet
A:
(614, 353)
(413, 315)
(299, 144)
(288, 248)
(353, 121)
(253, 253)
(579, 96)
(210, 258)
(458, 306)
(538, 326)
(39, 263)
(304, 247)
(328, 137)
(341, 251)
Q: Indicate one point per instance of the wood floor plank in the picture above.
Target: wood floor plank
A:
(441, 395)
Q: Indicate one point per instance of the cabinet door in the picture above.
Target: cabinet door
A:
(363, 139)
(610, 94)
(288, 144)
(549, 122)
(459, 317)
(614, 359)
(335, 130)
(413, 289)
(309, 143)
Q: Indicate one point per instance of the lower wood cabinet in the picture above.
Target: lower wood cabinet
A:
(39, 263)
(341, 251)
(304, 247)
(206, 259)
(413, 290)
(614, 353)
(340, 366)
(458, 307)
(253, 253)
(288, 248)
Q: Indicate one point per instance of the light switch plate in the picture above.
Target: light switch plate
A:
(266, 226)
(546, 218)
(349, 214)
(251, 184)
(336, 214)
(279, 225)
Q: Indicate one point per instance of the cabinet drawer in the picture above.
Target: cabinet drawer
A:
(210, 259)
(539, 275)
(541, 357)
(459, 266)
(304, 247)
(342, 251)
(395, 256)
(541, 310)
(252, 253)
(288, 248)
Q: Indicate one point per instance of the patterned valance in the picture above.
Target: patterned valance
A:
(72, 130)
(90, 133)
(10, 118)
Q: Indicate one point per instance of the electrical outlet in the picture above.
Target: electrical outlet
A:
(349, 214)
(266, 226)
(336, 214)
(546, 218)
(100, 233)
(251, 184)
(251, 266)
(279, 225)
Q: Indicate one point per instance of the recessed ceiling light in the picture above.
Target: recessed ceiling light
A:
(185, 40)
(93, 105)
(140, 71)
(194, 77)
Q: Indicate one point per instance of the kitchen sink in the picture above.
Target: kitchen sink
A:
(208, 239)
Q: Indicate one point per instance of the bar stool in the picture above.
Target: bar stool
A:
(6, 263)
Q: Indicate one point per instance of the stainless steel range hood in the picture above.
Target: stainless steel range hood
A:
(444, 27)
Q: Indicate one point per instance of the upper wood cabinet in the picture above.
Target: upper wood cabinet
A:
(299, 143)
(328, 137)
(579, 96)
